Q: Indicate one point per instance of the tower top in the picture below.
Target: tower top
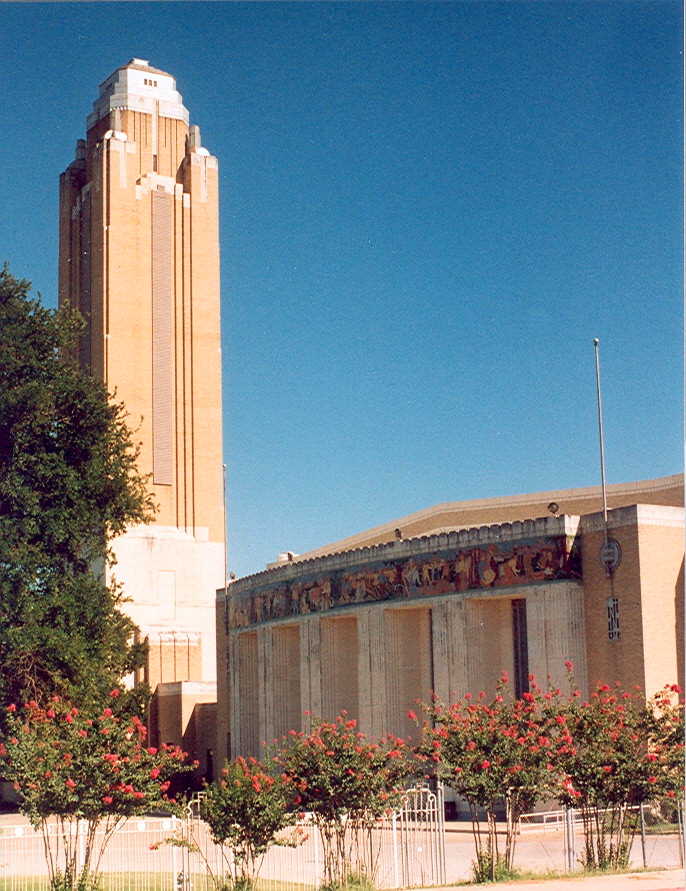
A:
(137, 86)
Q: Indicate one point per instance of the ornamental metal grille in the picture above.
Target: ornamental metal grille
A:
(520, 646)
(613, 632)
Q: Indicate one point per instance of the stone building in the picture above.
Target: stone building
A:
(139, 257)
(445, 599)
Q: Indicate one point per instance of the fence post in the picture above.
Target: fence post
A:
(173, 852)
(643, 835)
(394, 836)
(682, 836)
(317, 868)
(80, 826)
(569, 840)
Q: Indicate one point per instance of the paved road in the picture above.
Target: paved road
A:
(544, 852)
(667, 880)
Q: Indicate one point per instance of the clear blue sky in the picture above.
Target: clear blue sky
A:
(428, 211)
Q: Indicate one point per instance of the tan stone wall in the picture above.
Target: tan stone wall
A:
(184, 714)
(394, 652)
(661, 556)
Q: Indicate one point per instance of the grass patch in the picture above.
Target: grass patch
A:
(142, 881)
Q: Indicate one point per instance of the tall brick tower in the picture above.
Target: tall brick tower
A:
(139, 257)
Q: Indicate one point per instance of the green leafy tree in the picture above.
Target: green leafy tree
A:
(490, 751)
(245, 810)
(346, 783)
(68, 484)
(85, 772)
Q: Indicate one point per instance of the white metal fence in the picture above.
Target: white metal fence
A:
(168, 854)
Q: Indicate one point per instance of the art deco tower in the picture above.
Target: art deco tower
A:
(139, 257)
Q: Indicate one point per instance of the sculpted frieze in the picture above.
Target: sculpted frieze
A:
(429, 575)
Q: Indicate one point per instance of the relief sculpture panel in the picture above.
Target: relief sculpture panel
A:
(446, 572)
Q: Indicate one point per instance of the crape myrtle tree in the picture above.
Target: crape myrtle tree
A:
(493, 750)
(618, 751)
(246, 811)
(80, 775)
(347, 783)
(68, 484)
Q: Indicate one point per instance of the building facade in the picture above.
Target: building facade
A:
(375, 628)
(139, 257)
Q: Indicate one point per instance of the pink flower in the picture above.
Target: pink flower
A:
(11, 707)
(69, 719)
(569, 665)
(652, 779)
(412, 715)
(154, 773)
(107, 799)
(107, 713)
(70, 783)
(114, 693)
(485, 764)
(151, 750)
(50, 713)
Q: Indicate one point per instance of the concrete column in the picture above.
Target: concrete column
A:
(555, 626)
(234, 695)
(265, 674)
(310, 668)
(371, 670)
(457, 650)
(408, 660)
(440, 640)
(536, 629)
(249, 693)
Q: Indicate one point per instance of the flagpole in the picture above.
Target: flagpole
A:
(601, 433)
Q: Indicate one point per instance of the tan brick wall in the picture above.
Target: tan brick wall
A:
(623, 659)
(285, 680)
(408, 675)
(340, 667)
(649, 587)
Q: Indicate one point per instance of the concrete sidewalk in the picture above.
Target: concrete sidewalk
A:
(653, 880)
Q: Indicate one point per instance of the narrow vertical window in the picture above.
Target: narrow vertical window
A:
(613, 631)
(520, 646)
(162, 331)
